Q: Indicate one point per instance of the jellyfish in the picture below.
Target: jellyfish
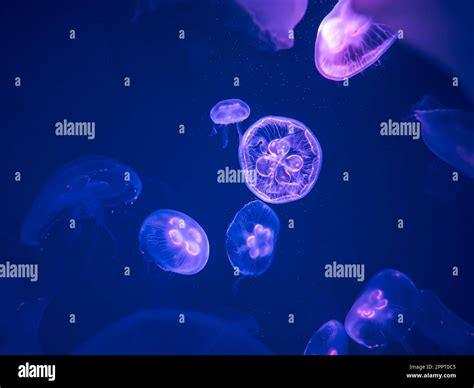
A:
(225, 113)
(283, 155)
(385, 311)
(330, 339)
(81, 189)
(347, 42)
(276, 19)
(449, 134)
(251, 238)
(450, 333)
(170, 332)
(174, 241)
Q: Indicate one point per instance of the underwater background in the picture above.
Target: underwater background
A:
(176, 82)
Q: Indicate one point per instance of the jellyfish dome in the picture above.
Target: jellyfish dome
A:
(174, 241)
(82, 189)
(276, 19)
(448, 134)
(330, 339)
(251, 238)
(385, 311)
(227, 112)
(283, 155)
(347, 42)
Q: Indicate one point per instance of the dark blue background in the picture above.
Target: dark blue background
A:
(177, 82)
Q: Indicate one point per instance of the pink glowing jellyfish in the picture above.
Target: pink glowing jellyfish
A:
(226, 113)
(275, 19)
(347, 42)
(330, 340)
(175, 242)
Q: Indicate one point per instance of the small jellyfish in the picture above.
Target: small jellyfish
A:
(169, 332)
(251, 238)
(450, 333)
(174, 241)
(330, 339)
(225, 113)
(81, 189)
(449, 134)
(385, 311)
(347, 42)
(283, 155)
(276, 20)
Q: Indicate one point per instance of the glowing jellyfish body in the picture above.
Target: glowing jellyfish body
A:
(385, 311)
(251, 238)
(347, 42)
(450, 333)
(80, 189)
(154, 332)
(330, 339)
(449, 134)
(283, 155)
(226, 113)
(276, 19)
(174, 241)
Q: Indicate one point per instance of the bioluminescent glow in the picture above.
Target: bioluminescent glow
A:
(348, 43)
(174, 241)
(284, 156)
(227, 112)
(252, 237)
(330, 339)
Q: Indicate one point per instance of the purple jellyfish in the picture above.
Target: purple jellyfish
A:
(449, 134)
(330, 339)
(283, 155)
(348, 43)
(385, 311)
(251, 238)
(276, 19)
(227, 112)
(174, 241)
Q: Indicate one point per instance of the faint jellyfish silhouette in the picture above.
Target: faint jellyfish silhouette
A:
(385, 311)
(169, 332)
(228, 112)
(251, 239)
(283, 155)
(174, 241)
(83, 188)
(347, 42)
(276, 19)
(448, 133)
(330, 339)
(450, 333)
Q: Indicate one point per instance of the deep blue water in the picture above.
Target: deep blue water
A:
(176, 82)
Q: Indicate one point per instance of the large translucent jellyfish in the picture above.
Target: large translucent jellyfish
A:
(226, 113)
(169, 332)
(80, 189)
(385, 311)
(449, 134)
(347, 42)
(276, 19)
(251, 238)
(330, 339)
(450, 333)
(174, 241)
(283, 155)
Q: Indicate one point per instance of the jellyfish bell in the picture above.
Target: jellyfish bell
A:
(226, 113)
(347, 42)
(283, 156)
(174, 241)
(385, 311)
(275, 19)
(251, 238)
(330, 339)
